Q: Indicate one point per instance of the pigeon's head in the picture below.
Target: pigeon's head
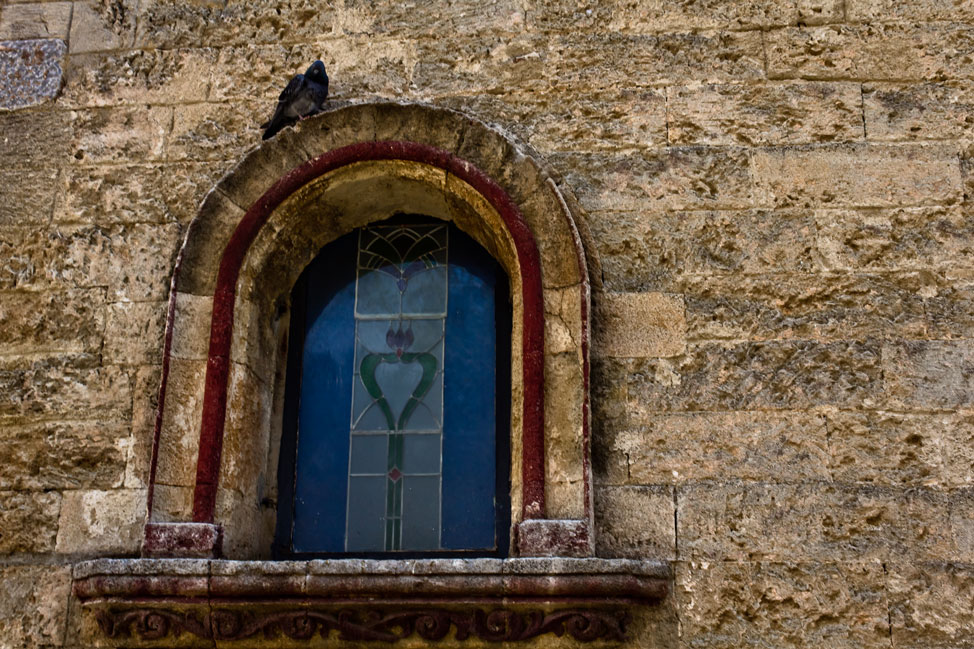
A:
(316, 71)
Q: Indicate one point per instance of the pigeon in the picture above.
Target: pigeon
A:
(303, 97)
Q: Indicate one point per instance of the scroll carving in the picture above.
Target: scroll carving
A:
(494, 625)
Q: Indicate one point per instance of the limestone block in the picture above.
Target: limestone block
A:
(145, 401)
(563, 324)
(107, 195)
(813, 521)
(470, 65)
(138, 77)
(923, 11)
(99, 25)
(183, 413)
(927, 111)
(658, 15)
(166, 24)
(645, 250)
(635, 522)
(695, 447)
(609, 394)
(172, 504)
(204, 243)
(63, 455)
(757, 604)
(33, 605)
(30, 71)
(119, 134)
(639, 325)
(870, 52)
(34, 138)
(803, 307)
(592, 61)
(246, 437)
(64, 386)
(820, 12)
(887, 448)
(962, 523)
(894, 239)
(763, 114)
(29, 195)
(671, 179)
(791, 375)
(388, 18)
(28, 521)
(191, 331)
(923, 374)
(957, 444)
(52, 322)
(859, 175)
(209, 131)
(104, 522)
(134, 333)
(565, 470)
(35, 20)
(931, 604)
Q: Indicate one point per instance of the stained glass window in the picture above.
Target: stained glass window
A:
(396, 409)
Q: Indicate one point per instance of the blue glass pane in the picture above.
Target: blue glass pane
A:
(378, 294)
(421, 513)
(421, 453)
(426, 293)
(366, 514)
(369, 454)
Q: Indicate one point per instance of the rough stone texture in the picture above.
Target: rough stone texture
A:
(33, 605)
(640, 325)
(789, 182)
(108, 522)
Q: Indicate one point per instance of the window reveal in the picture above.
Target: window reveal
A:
(401, 423)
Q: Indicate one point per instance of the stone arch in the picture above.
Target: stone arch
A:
(214, 456)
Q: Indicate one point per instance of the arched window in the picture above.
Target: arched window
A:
(397, 401)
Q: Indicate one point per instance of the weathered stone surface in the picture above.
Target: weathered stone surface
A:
(957, 444)
(179, 437)
(812, 521)
(34, 138)
(214, 131)
(672, 179)
(639, 325)
(63, 386)
(658, 15)
(802, 307)
(30, 72)
(635, 522)
(773, 375)
(925, 11)
(133, 262)
(643, 251)
(33, 605)
(388, 18)
(134, 332)
(888, 448)
(120, 134)
(871, 52)
(697, 447)
(35, 20)
(924, 375)
(928, 111)
(893, 239)
(859, 175)
(97, 25)
(28, 521)
(52, 322)
(762, 114)
(727, 605)
(145, 400)
(109, 522)
(29, 195)
(931, 604)
(138, 77)
(134, 194)
(610, 60)
(63, 455)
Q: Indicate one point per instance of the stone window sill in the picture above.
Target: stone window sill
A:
(140, 602)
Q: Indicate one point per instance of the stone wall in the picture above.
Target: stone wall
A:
(779, 191)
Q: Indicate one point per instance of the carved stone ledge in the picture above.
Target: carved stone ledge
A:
(155, 602)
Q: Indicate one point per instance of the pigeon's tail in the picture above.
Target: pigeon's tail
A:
(274, 127)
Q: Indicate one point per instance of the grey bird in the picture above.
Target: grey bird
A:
(303, 97)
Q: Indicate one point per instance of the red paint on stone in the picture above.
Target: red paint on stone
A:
(217, 371)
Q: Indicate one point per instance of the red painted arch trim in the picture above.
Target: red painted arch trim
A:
(221, 324)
